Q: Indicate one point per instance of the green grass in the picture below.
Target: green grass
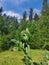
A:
(15, 58)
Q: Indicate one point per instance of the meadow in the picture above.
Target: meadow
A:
(15, 57)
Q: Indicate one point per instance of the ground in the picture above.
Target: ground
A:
(15, 57)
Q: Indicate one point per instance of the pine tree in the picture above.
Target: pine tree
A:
(24, 15)
(31, 14)
(1, 9)
(44, 7)
(36, 17)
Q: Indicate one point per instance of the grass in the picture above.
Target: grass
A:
(15, 58)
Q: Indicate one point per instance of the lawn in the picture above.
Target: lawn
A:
(15, 58)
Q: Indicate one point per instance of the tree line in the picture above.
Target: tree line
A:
(38, 26)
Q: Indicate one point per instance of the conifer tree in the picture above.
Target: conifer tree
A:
(36, 17)
(24, 15)
(1, 9)
(44, 7)
(31, 14)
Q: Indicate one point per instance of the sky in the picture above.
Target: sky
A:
(17, 7)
